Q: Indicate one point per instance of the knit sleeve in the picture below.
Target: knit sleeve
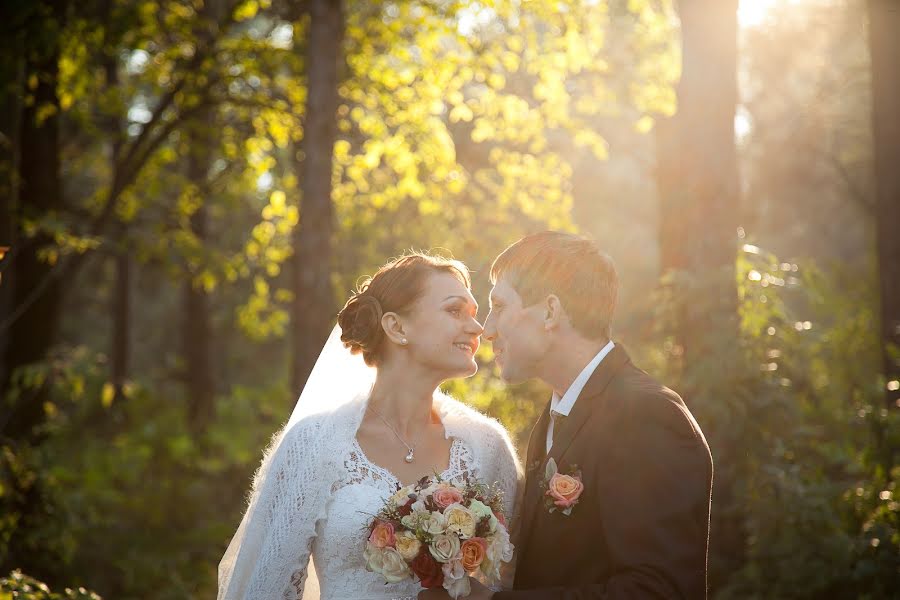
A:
(269, 554)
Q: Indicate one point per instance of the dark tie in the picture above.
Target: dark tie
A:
(558, 419)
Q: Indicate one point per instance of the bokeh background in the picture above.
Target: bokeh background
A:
(191, 188)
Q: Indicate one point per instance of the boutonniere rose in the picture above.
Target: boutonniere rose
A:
(561, 491)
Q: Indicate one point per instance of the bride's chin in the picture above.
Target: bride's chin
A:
(464, 372)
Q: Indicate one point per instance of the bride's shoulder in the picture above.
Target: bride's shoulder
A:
(458, 415)
(322, 426)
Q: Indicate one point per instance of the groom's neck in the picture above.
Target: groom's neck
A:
(566, 358)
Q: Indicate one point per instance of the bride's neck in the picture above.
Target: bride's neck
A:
(404, 401)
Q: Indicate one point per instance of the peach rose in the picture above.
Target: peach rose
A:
(382, 535)
(446, 495)
(473, 552)
(564, 489)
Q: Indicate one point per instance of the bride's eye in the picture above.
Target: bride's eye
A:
(455, 312)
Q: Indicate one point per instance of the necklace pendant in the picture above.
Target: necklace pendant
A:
(409, 457)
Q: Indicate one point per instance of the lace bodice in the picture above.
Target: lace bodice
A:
(337, 549)
(315, 492)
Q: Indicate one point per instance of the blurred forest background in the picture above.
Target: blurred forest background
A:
(191, 188)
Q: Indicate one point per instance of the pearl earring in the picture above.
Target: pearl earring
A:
(404, 341)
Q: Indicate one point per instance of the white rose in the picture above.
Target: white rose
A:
(444, 547)
(401, 497)
(418, 506)
(434, 523)
(408, 545)
(374, 558)
(414, 519)
(499, 549)
(393, 567)
(490, 569)
(493, 523)
(456, 582)
(480, 509)
(460, 520)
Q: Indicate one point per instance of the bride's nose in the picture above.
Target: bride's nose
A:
(474, 327)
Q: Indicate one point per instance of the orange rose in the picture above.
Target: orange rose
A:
(473, 551)
(446, 495)
(564, 489)
(382, 535)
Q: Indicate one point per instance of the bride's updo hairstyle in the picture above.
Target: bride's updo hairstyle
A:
(394, 288)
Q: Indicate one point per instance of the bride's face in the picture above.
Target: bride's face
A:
(442, 327)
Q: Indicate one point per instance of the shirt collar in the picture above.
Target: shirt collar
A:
(563, 406)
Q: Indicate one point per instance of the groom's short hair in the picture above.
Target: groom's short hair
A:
(570, 266)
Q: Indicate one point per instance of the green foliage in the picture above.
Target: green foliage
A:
(162, 499)
(461, 126)
(805, 466)
(21, 587)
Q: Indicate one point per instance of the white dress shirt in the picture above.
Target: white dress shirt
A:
(563, 406)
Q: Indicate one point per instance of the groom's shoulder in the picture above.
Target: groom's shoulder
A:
(645, 401)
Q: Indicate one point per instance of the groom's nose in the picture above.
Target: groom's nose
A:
(489, 332)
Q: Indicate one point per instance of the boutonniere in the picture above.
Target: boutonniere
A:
(561, 491)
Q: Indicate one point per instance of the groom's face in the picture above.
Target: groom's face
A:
(516, 332)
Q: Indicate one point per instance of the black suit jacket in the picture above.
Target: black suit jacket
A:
(641, 527)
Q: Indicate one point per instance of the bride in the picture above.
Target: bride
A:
(369, 420)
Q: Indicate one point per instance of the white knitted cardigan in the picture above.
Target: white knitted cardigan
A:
(292, 487)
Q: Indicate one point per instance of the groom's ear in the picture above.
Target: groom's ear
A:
(553, 312)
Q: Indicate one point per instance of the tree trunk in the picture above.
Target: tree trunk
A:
(313, 306)
(197, 340)
(884, 42)
(120, 350)
(31, 335)
(11, 78)
(697, 176)
(699, 191)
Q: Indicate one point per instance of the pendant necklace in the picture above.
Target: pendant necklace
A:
(411, 455)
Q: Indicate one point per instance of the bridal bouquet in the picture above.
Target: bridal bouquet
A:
(439, 533)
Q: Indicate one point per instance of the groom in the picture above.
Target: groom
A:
(627, 515)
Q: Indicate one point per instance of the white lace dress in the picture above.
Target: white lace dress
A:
(315, 493)
(337, 549)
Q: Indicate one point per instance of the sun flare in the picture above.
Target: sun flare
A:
(753, 13)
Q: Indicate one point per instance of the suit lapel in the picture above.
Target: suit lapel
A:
(564, 434)
(537, 448)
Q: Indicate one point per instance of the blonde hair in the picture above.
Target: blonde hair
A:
(570, 266)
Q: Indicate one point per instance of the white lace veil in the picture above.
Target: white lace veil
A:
(337, 378)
